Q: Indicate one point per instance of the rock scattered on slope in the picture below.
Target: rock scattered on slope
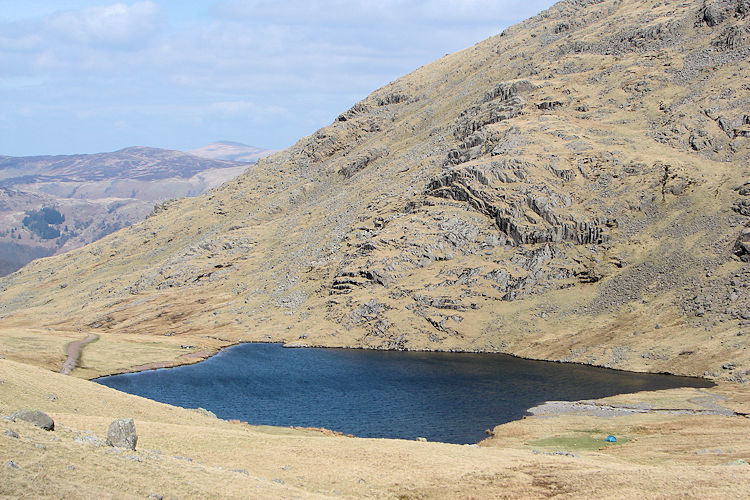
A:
(88, 438)
(35, 417)
(742, 245)
(204, 412)
(121, 434)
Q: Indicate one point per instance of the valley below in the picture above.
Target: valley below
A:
(53, 204)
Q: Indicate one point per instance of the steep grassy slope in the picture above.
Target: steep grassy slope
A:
(574, 188)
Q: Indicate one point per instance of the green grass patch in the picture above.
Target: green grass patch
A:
(565, 443)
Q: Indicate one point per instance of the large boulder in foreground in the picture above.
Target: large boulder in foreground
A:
(121, 434)
(35, 417)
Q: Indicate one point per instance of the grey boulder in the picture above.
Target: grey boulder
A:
(121, 434)
(35, 417)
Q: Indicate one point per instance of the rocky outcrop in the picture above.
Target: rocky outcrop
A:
(715, 12)
(742, 245)
(346, 281)
(742, 207)
(121, 434)
(36, 417)
(500, 104)
(526, 214)
(362, 161)
(579, 232)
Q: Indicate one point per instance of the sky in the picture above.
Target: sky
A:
(86, 76)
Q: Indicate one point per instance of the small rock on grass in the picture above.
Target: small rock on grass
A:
(88, 438)
(11, 433)
(204, 412)
(35, 417)
(121, 434)
(12, 464)
(739, 461)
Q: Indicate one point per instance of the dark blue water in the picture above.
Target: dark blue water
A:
(450, 397)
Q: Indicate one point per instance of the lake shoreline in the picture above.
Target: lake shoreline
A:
(477, 389)
(199, 356)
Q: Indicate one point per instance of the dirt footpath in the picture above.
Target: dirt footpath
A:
(74, 353)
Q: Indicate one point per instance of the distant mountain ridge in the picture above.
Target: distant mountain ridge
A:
(95, 194)
(234, 151)
(137, 162)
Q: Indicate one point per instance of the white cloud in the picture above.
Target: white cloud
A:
(118, 25)
(258, 71)
(232, 107)
(364, 12)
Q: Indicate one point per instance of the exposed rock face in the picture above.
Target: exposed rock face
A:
(121, 434)
(716, 12)
(555, 192)
(525, 213)
(35, 417)
(742, 247)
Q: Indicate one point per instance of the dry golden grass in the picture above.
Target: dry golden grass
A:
(184, 453)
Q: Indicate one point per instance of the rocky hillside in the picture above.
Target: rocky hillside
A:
(576, 188)
(52, 204)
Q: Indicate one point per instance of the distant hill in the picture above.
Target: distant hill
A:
(52, 204)
(234, 151)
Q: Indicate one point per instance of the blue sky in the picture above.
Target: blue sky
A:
(85, 76)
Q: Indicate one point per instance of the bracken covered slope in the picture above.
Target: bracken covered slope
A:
(575, 188)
